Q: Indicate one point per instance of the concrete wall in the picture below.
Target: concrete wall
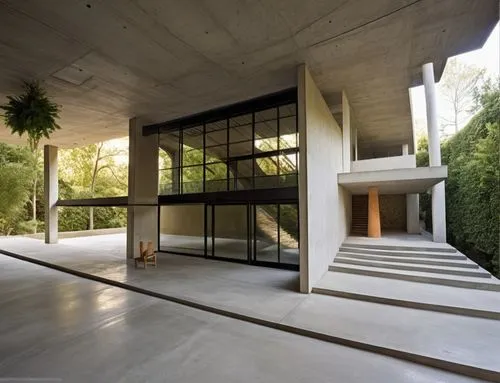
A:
(182, 220)
(323, 204)
(230, 220)
(393, 212)
(387, 163)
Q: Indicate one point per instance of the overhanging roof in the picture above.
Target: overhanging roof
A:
(395, 181)
(108, 61)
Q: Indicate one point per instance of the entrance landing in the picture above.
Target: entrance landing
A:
(460, 343)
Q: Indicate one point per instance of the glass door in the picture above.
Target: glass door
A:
(230, 232)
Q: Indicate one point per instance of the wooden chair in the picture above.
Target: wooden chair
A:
(147, 255)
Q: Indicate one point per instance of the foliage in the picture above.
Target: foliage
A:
(472, 187)
(32, 113)
(15, 176)
(90, 172)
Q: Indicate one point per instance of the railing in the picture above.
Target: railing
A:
(242, 183)
(386, 163)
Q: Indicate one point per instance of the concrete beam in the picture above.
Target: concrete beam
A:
(395, 181)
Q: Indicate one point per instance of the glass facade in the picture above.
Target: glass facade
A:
(261, 234)
(257, 150)
(228, 183)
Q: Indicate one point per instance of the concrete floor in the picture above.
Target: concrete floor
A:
(271, 295)
(56, 327)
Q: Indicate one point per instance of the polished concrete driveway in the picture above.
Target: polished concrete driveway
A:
(55, 327)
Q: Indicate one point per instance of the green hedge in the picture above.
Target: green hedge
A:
(472, 187)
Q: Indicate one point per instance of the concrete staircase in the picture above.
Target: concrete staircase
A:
(428, 276)
(359, 225)
(443, 266)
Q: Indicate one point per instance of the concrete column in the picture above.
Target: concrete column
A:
(346, 134)
(438, 192)
(142, 221)
(373, 213)
(51, 193)
(404, 149)
(355, 135)
(412, 215)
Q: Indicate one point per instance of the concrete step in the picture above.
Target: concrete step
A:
(448, 299)
(465, 263)
(403, 253)
(450, 270)
(439, 249)
(490, 284)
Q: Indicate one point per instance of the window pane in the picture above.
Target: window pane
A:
(192, 179)
(266, 136)
(192, 149)
(289, 234)
(266, 172)
(231, 231)
(240, 140)
(288, 110)
(241, 175)
(243, 120)
(216, 177)
(182, 229)
(266, 115)
(266, 234)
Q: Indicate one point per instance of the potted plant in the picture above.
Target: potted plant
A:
(32, 113)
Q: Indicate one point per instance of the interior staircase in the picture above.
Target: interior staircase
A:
(359, 225)
(268, 227)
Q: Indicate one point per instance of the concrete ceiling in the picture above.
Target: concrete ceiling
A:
(106, 61)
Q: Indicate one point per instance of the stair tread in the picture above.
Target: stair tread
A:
(407, 259)
(490, 281)
(413, 265)
(408, 252)
(411, 291)
(439, 248)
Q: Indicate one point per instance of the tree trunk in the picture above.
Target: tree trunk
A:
(92, 184)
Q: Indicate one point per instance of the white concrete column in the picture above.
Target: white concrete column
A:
(404, 149)
(346, 134)
(355, 135)
(142, 219)
(51, 193)
(412, 214)
(438, 192)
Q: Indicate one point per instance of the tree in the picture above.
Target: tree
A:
(457, 86)
(91, 171)
(99, 165)
(15, 175)
(34, 114)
